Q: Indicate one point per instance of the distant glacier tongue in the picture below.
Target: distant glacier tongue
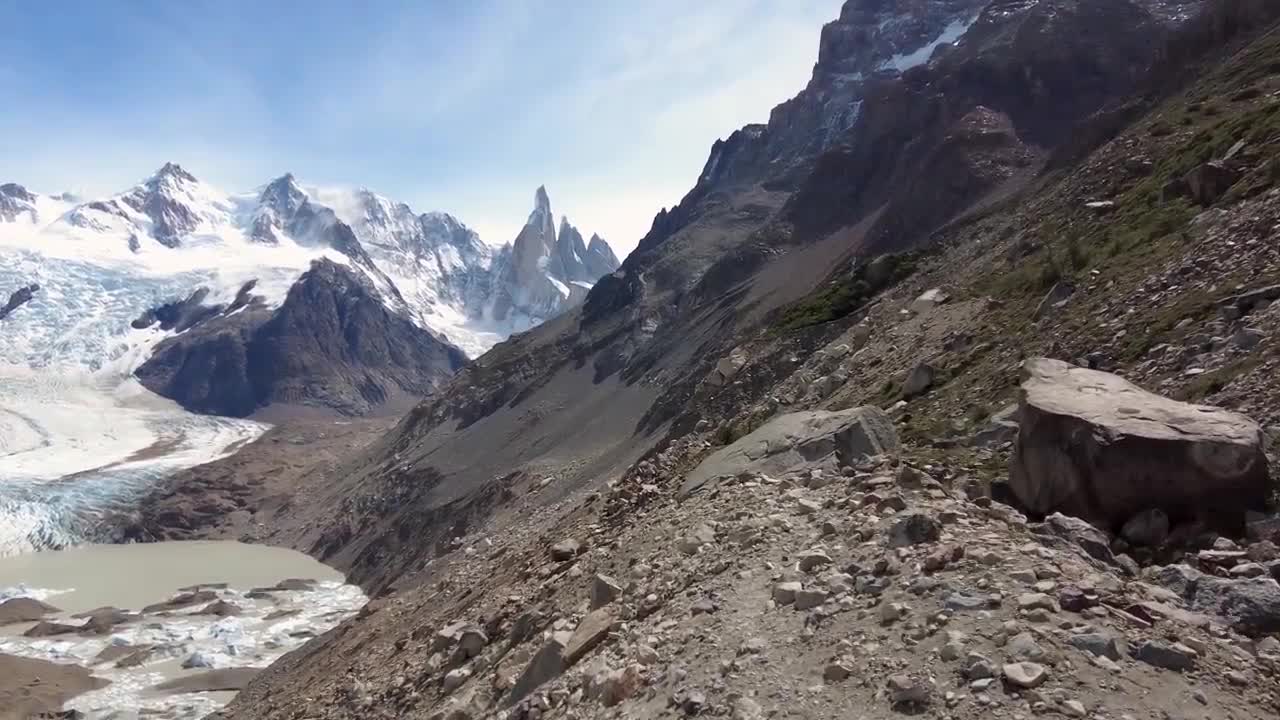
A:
(78, 436)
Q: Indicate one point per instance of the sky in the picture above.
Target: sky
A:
(460, 106)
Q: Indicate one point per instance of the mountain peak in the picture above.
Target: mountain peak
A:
(283, 194)
(540, 199)
(174, 171)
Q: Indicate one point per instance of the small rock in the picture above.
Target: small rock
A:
(785, 593)
(1033, 601)
(1074, 708)
(908, 690)
(892, 612)
(705, 606)
(836, 672)
(455, 678)
(565, 550)
(693, 702)
(978, 667)
(951, 651)
(814, 559)
(1073, 599)
(1025, 675)
(810, 598)
(1023, 646)
(471, 641)
(1097, 644)
(1163, 655)
(914, 529)
(744, 708)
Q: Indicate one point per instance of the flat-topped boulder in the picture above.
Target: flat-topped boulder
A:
(1094, 445)
(800, 440)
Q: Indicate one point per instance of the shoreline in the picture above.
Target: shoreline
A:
(174, 627)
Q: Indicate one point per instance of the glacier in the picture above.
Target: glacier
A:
(81, 438)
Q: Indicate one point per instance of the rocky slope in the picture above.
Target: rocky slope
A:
(526, 527)
(931, 144)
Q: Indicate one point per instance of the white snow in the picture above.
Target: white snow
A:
(951, 33)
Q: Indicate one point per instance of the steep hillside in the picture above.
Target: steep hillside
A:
(532, 529)
(753, 236)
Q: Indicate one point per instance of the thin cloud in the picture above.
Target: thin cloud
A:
(464, 108)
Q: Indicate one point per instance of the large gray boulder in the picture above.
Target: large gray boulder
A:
(812, 439)
(1096, 446)
(1251, 604)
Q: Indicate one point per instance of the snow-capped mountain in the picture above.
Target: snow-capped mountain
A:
(228, 303)
(428, 267)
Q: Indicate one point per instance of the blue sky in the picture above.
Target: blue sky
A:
(458, 106)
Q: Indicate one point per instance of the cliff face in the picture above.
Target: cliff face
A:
(543, 272)
(332, 344)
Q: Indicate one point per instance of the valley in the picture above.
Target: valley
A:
(948, 390)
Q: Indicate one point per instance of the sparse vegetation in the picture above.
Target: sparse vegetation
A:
(1216, 380)
(844, 295)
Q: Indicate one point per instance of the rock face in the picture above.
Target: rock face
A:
(801, 440)
(332, 344)
(18, 298)
(15, 200)
(543, 273)
(1094, 445)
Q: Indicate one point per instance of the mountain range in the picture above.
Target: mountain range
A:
(945, 390)
(235, 264)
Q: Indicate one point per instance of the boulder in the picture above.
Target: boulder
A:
(797, 441)
(1174, 656)
(1094, 542)
(592, 631)
(565, 550)
(920, 379)
(604, 590)
(1252, 605)
(1210, 181)
(726, 368)
(23, 610)
(1096, 446)
(546, 665)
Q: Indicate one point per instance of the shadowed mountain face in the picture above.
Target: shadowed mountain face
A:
(332, 344)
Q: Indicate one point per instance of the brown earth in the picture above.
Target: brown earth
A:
(30, 687)
(251, 495)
